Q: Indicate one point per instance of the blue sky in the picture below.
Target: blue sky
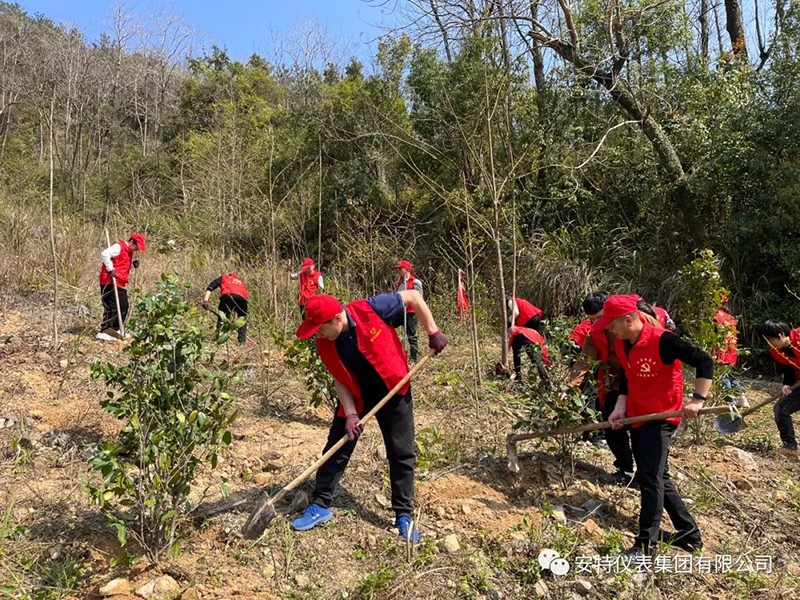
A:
(241, 26)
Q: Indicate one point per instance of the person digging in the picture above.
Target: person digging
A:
(360, 348)
(233, 300)
(784, 348)
(652, 382)
(117, 261)
(409, 281)
(310, 283)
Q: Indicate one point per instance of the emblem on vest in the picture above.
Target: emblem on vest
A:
(646, 367)
(374, 333)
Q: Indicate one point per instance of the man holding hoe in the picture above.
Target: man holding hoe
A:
(359, 346)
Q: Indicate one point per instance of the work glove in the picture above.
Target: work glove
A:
(437, 341)
(353, 427)
(136, 264)
(204, 304)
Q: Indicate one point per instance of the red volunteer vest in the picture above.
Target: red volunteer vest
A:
(580, 331)
(121, 264)
(728, 354)
(534, 337)
(600, 340)
(231, 284)
(653, 386)
(526, 312)
(409, 286)
(308, 286)
(379, 344)
(794, 339)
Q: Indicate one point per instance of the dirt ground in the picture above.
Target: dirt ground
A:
(51, 536)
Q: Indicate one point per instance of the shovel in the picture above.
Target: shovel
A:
(265, 512)
(512, 439)
(733, 423)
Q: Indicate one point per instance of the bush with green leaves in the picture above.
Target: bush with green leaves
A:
(302, 358)
(172, 396)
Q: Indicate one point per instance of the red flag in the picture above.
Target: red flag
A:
(462, 300)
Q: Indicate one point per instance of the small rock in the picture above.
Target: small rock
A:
(272, 465)
(13, 340)
(592, 506)
(745, 459)
(559, 515)
(43, 356)
(441, 512)
(541, 589)
(301, 580)
(383, 501)
(744, 484)
(299, 502)
(592, 529)
(6, 423)
(583, 587)
(450, 544)
(63, 363)
(146, 590)
(165, 587)
(381, 452)
(781, 496)
(191, 594)
(466, 509)
(262, 479)
(120, 585)
(268, 570)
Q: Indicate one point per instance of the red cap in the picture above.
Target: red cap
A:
(404, 264)
(307, 262)
(617, 306)
(140, 241)
(319, 310)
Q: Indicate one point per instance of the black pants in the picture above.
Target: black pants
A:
(411, 334)
(618, 440)
(232, 304)
(650, 444)
(784, 409)
(396, 420)
(517, 344)
(110, 318)
(302, 311)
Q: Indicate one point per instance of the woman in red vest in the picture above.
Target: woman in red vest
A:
(117, 261)
(359, 346)
(728, 354)
(530, 339)
(522, 313)
(408, 281)
(652, 382)
(784, 344)
(310, 283)
(233, 300)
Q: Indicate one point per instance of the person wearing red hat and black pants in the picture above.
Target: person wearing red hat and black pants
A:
(651, 382)
(409, 281)
(310, 282)
(359, 346)
(530, 339)
(117, 262)
(233, 300)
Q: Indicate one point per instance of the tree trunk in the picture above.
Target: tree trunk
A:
(703, 18)
(735, 26)
(53, 226)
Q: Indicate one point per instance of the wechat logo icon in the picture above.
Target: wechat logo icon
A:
(550, 560)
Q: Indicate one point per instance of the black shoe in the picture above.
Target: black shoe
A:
(685, 540)
(634, 552)
(619, 478)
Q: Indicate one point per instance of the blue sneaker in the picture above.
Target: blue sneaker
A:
(312, 516)
(405, 525)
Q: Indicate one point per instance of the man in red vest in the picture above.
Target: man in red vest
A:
(784, 344)
(524, 337)
(310, 283)
(728, 354)
(117, 261)
(233, 300)
(522, 313)
(409, 281)
(652, 382)
(359, 346)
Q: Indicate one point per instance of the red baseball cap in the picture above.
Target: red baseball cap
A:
(140, 241)
(319, 310)
(307, 262)
(617, 306)
(404, 264)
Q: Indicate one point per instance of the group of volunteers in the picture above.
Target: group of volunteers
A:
(628, 343)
